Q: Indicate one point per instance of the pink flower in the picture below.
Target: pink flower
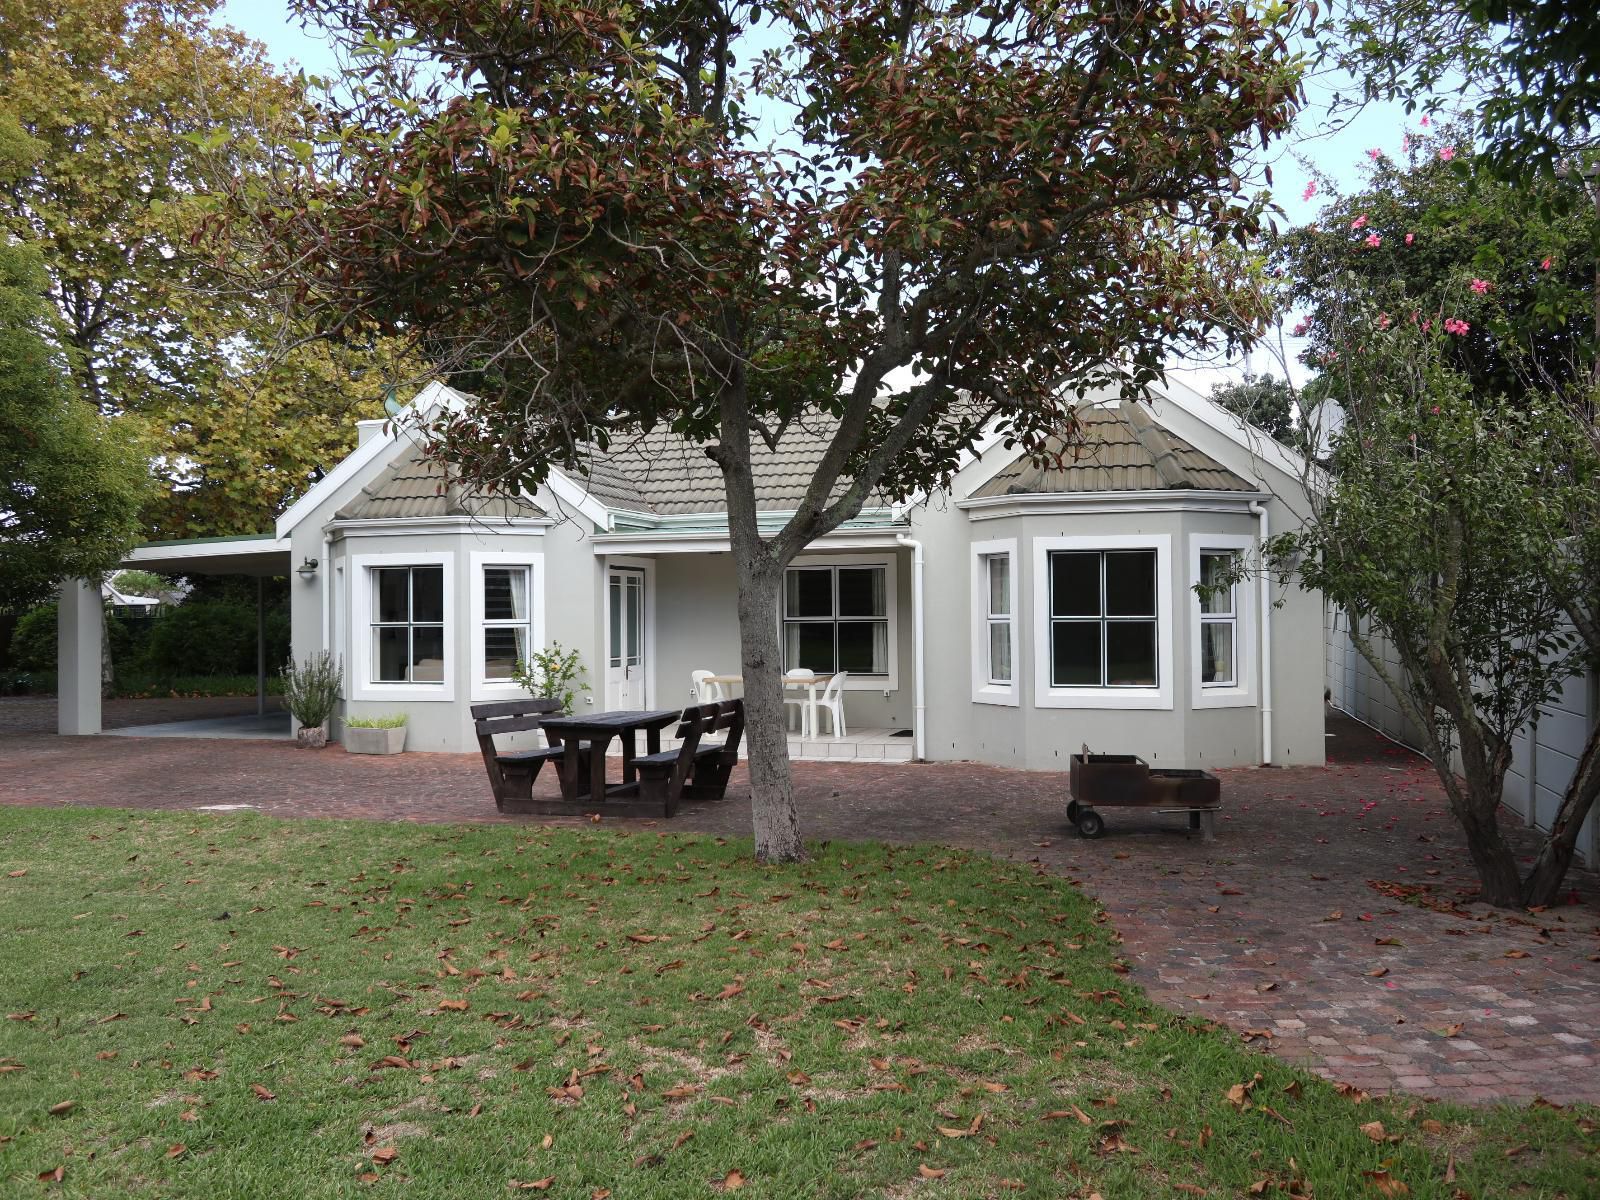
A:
(1374, 154)
(1434, 410)
(1374, 241)
(1455, 325)
(1427, 326)
(1545, 265)
(1383, 321)
(1311, 190)
(1301, 326)
(1410, 237)
(1359, 221)
(1480, 286)
(1425, 122)
(1405, 141)
(1446, 153)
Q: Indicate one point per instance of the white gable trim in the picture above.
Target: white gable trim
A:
(361, 458)
(573, 496)
(1258, 443)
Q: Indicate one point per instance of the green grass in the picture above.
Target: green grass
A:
(390, 721)
(825, 1031)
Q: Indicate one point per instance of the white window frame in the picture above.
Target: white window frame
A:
(1046, 696)
(984, 688)
(503, 689)
(891, 596)
(361, 568)
(1242, 692)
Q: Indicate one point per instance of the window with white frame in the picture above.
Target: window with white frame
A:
(507, 619)
(998, 616)
(408, 624)
(836, 618)
(1103, 619)
(1219, 619)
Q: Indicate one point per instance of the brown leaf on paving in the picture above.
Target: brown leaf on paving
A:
(1388, 941)
(1377, 972)
(262, 1093)
(1450, 1031)
(62, 1109)
(1516, 954)
(1385, 1184)
(1336, 915)
(1266, 987)
(928, 1172)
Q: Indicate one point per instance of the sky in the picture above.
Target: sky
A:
(1337, 154)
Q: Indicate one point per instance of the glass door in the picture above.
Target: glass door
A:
(625, 641)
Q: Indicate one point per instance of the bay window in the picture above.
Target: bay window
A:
(994, 622)
(408, 624)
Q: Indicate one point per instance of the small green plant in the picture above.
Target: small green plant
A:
(552, 674)
(311, 689)
(390, 721)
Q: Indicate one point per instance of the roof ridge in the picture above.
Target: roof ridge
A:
(1159, 445)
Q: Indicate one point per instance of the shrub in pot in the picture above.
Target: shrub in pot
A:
(311, 692)
(375, 735)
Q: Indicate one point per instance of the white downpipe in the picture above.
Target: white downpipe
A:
(1264, 607)
(325, 586)
(919, 727)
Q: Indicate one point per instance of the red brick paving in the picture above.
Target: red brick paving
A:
(37, 714)
(1275, 927)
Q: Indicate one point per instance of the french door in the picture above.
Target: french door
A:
(627, 659)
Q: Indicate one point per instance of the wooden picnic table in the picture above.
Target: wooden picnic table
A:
(598, 729)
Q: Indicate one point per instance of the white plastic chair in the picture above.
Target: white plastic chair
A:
(799, 677)
(704, 692)
(832, 703)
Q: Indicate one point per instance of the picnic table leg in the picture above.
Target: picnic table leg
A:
(568, 770)
(597, 765)
(630, 747)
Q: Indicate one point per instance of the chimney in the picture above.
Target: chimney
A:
(367, 430)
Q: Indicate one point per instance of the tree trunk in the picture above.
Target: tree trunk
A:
(773, 814)
(1555, 856)
(1476, 808)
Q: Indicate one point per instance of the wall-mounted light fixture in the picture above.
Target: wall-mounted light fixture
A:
(307, 569)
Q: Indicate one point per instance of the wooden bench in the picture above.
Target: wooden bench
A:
(696, 770)
(512, 772)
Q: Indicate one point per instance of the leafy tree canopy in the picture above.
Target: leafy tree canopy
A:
(1266, 401)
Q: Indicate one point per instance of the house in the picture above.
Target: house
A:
(1026, 610)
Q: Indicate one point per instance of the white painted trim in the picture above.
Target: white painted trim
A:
(991, 437)
(487, 689)
(649, 569)
(1243, 692)
(576, 496)
(716, 542)
(361, 685)
(891, 592)
(410, 526)
(1158, 697)
(984, 689)
(1045, 504)
(363, 456)
(1255, 441)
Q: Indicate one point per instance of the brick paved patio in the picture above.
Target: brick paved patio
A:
(1277, 928)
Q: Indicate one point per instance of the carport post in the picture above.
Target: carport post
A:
(80, 626)
(261, 647)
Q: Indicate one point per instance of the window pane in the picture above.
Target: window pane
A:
(1130, 583)
(861, 592)
(390, 594)
(427, 594)
(808, 645)
(808, 592)
(1074, 584)
(1216, 652)
(1212, 568)
(504, 646)
(864, 647)
(1131, 653)
(999, 584)
(392, 655)
(505, 593)
(615, 607)
(1000, 652)
(1075, 654)
(427, 654)
(635, 591)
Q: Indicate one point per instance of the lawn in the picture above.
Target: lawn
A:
(205, 1005)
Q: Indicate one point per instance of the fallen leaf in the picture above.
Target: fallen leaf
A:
(262, 1093)
(1386, 1184)
(62, 1109)
(533, 1185)
(454, 1005)
(54, 1176)
(353, 1040)
(384, 1155)
(1516, 954)
(928, 1172)
(1450, 1031)
(733, 1180)
(1377, 972)
(177, 1151)
(17, 874)
(1375, 1131)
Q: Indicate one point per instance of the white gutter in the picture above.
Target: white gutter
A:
(1264, 606)
(918, 646)
(325, 585)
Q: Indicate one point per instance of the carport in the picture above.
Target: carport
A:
(82, 630)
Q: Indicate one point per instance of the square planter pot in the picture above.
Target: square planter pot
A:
(374, 741)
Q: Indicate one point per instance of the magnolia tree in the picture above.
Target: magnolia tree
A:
(1452, 319)
(727, 218)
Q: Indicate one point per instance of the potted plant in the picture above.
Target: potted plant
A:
(375, 735)
(553, 674)
(311, 692)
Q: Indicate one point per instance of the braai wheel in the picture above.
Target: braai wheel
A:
(1072, 812)
(1090, 823)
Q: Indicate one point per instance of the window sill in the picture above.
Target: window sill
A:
(1224, 697)
(997, 693)
(1114, 698)
(413, 692)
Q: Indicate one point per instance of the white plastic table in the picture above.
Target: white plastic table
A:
(808, 718)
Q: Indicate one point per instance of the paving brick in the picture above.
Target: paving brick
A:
(1294, 849)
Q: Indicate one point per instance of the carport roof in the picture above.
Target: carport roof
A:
(245, 554)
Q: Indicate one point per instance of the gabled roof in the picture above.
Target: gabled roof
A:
(1121, 450)
(661, 474)
(413, 486)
